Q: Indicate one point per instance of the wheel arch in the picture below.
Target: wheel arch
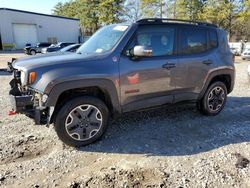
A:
(227, 76)
(103, 89)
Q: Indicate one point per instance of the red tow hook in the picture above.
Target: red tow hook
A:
(12, 112)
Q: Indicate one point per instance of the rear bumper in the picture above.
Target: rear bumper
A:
(44, 51)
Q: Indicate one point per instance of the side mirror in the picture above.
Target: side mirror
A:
(142, 51)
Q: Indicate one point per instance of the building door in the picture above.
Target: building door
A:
(23, 34)
(1, 45)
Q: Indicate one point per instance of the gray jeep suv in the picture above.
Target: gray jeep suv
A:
(123, 68)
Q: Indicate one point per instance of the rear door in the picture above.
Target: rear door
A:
(197, 57)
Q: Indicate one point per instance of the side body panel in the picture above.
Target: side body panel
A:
(145, 83)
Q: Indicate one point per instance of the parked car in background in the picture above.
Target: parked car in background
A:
(57, 47)
(70, 48)
(33, 50)
(234, 51)
(246, 46)
(246, 55)
(237, 47)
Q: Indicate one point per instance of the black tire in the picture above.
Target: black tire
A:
(32, 52)
(207, 105)
(65, 114)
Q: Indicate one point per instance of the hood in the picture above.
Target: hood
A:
(44, 60)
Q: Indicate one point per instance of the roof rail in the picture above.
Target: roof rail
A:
(167, 20)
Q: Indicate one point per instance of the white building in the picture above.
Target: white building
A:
(18, 28)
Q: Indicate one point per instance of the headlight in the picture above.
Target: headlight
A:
(23, 78)
(27, 79)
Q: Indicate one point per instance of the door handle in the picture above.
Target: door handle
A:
(168, 66)
(207, 62)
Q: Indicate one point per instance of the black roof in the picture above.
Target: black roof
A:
(165, 20)
(40, 14)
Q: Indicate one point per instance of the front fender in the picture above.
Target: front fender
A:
(103, 84)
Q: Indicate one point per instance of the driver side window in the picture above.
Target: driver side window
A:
(159, 39)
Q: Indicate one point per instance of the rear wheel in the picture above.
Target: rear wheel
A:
(214, 99)
(32, 52)
(81, 121)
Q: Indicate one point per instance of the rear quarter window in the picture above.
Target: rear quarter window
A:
(213, 39)
(192, 41)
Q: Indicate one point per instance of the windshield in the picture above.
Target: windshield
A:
(70, 48)
(58, 45)
(103, 40)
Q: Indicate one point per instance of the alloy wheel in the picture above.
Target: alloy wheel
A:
(83, 122)
(216, 99)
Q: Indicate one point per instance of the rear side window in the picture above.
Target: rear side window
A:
(44, 45)
(192, 41)
(213, 39)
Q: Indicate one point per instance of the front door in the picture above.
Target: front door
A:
(147, 81)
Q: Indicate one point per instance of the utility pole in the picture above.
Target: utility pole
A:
(161, 7)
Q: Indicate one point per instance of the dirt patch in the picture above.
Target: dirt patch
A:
(124, 178)
(242, 162)
(25, 148)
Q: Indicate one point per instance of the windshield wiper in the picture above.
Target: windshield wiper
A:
(85, 53)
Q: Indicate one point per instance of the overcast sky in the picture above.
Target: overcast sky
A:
(41, 6)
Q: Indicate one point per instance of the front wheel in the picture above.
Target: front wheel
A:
(81, 121)
(214, 99)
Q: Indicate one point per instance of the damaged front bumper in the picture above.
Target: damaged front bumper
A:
(27, 101)
(21, 103)
(26, 104)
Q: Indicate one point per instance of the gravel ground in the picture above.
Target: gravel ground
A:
(7, 57)
(175, 147)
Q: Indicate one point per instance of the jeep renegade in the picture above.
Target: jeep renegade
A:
(123, 68)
